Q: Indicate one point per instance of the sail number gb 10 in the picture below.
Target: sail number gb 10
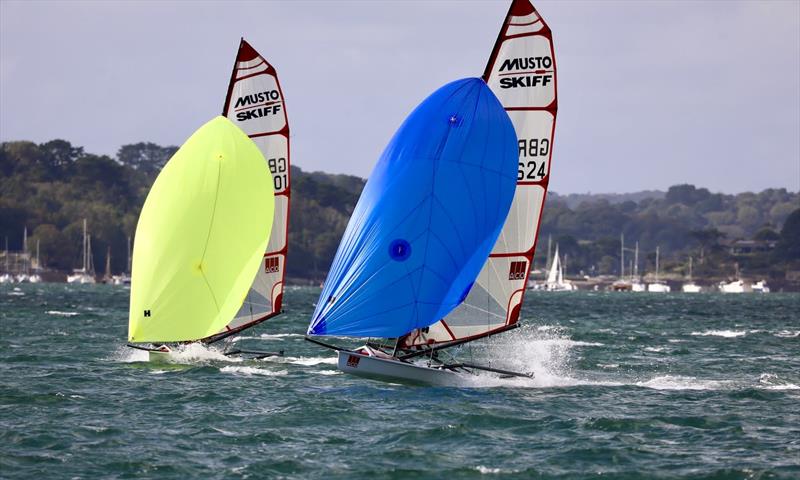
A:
(537, 148)
(278, 168)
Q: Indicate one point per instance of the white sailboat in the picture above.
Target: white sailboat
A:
(736, 286)
(521, 72)
(6, 277)
(125, 277)
(35, 277)
(622, 284)
(658, 286)
(636, 282)
(107, 274)
(85, 274)
(22, 277)
(555, 279)
(761, 287)
(690, 286)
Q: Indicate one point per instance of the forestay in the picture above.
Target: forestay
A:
(197, 244)
(522, 73)
(255, 103)
(427, 218)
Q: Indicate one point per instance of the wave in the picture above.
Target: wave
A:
(544, 353)
(721, 333)
(184, 354)
(249, 371)
(788, 334)
(308, 361)
(279, 335)
(679, 382)
(493, 471)
(771, 381)
(654, 349)
(198, 353)
(61, 314)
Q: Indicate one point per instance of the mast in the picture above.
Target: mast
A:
(107, 275)
(84, 267)
(128, 271)
(621, 256)
(255, 103)
(89, 257)
(7, 264)
(657, 251)
(690, 268)
(521, 71)
(38, 265)
(636, 260)
(25, 256)
(549, 250)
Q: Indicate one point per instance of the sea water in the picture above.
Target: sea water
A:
(626, 385)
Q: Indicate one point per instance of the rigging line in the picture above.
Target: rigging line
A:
(208, 237)
(437, 157)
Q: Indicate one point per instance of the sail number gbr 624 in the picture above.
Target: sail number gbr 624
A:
(532, 158)
(278, 168)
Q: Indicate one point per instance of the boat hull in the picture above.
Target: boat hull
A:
(390, 370)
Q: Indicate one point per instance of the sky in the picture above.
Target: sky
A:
(651, 93)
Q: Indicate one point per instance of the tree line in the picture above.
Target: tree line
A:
(50, 187)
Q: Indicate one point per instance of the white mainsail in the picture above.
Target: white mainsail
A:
(522, 73)
(555, 270)
(255, 104)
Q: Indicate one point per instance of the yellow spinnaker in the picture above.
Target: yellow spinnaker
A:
(201, 236)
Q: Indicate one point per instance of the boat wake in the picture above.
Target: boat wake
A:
(545, 352)
(250, 371)
(193, 353)
(549, 355)
(721, 333)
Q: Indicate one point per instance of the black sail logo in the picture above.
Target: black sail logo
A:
(258, 105)
(526, 72)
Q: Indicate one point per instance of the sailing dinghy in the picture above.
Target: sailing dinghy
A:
(521, 72)
(255, 104)
(423, 227)
(200, 238)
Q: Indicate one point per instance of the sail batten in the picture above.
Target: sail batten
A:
(255, 103)
(521, 71)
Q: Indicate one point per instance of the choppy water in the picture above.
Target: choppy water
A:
(627, 386)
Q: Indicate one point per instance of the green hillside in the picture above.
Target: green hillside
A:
(50, 187)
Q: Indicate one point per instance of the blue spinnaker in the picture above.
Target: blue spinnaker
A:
(427, 218)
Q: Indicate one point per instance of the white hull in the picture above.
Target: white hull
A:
(560, 287)
(691, 288)
(391, 370)
(82, 278)
(658, 288)
(735, 287)
(638, 287)
(6, 278)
